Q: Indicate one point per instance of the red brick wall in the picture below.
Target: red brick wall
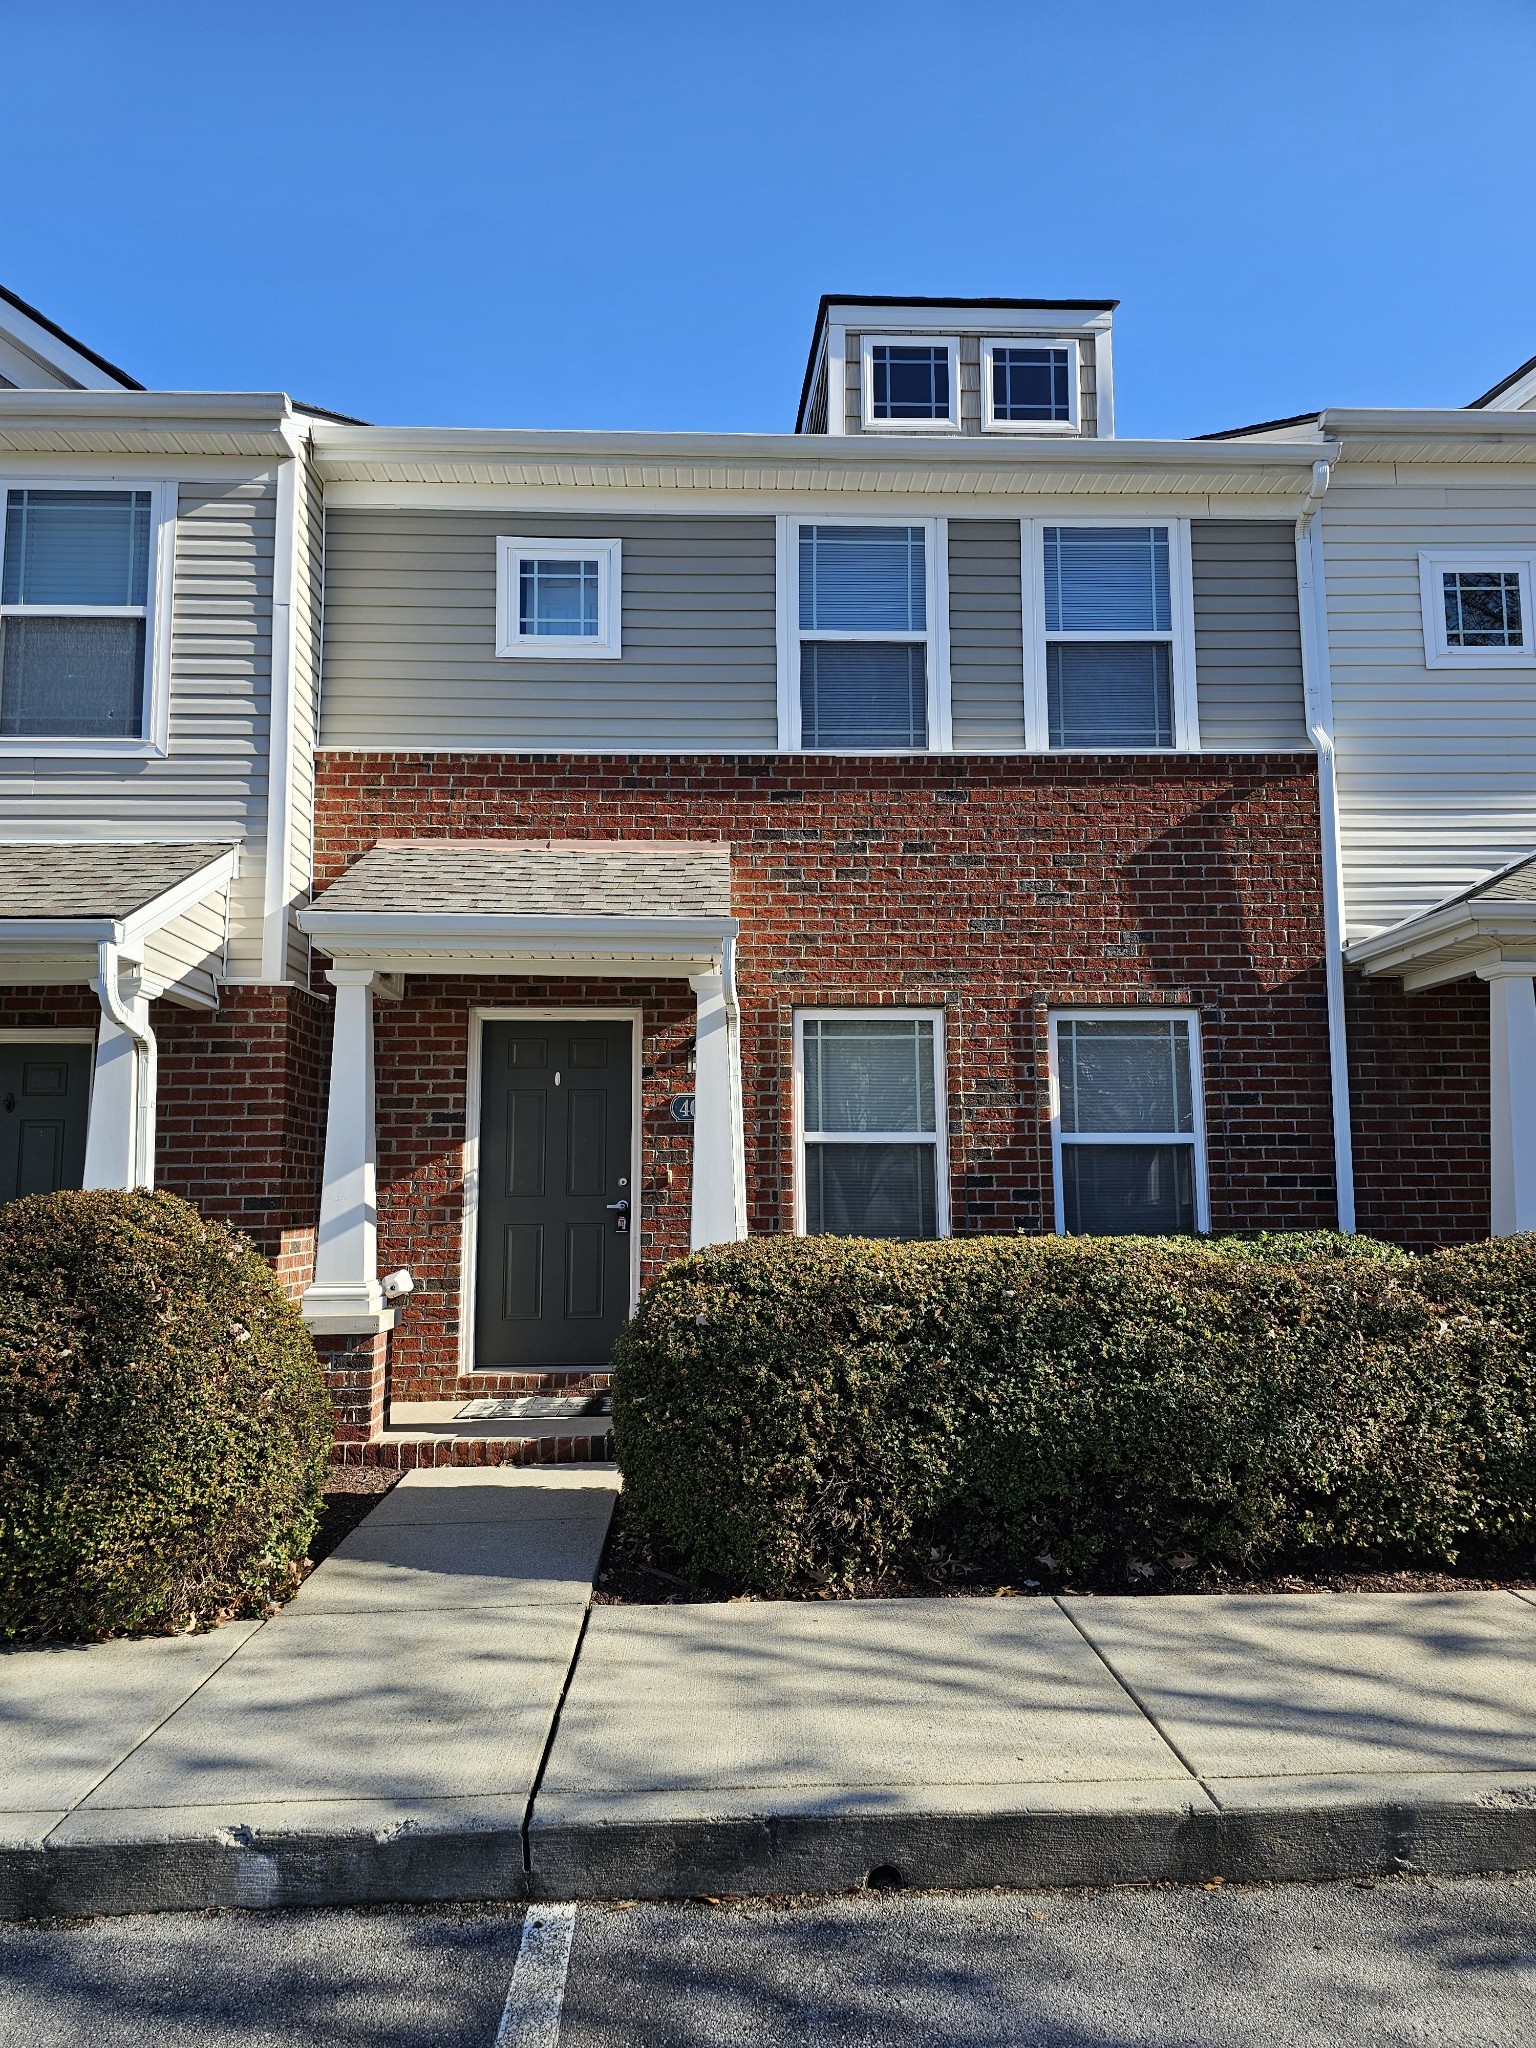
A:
(1419, 1095)
(994, 888)
(241, 1115)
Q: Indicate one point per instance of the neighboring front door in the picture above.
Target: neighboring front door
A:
(554, 1252)
(45, 1097)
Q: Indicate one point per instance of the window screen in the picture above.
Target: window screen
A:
(871, 1126)
(1482, 608)
(75, 588)
(1126, 1091)
(909, 382)
(1031, 383)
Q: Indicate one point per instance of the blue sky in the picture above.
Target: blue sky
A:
(622, 215)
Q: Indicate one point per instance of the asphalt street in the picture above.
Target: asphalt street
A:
(1395, 1963)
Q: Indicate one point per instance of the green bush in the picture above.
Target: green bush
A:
(164, 1425)
(795, 1412)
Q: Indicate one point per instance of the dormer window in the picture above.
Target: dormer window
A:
(559, 598)
(1030, 387)
(910, 384)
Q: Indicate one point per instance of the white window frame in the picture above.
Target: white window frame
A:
(1136, 1013)
(868, 343)
(935, 639)
(1496, 561)
(991, 424)
(606, 645)
(1180, 637)
(938, 1137)
(153, 739)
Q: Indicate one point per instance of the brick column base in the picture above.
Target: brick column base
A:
(356, 1372)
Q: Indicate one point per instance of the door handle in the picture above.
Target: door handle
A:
(622, 1206)
(620, 1211)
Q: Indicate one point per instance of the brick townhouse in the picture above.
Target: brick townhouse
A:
(516, 856)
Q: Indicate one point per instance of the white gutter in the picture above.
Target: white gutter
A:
(112, 1005)
(738, 1110)
(1318, 683)
(274, 911)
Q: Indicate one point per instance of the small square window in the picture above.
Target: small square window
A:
(558, 598)
(1030, 387)
(1477, 610)
(910, 384)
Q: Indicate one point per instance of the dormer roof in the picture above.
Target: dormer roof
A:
(36, 354)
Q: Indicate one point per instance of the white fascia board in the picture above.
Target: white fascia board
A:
(861, 315)
(1515, 398)
(24, 933)
(402, 931)
(170, 903)
(1437, 943)
(47, 348)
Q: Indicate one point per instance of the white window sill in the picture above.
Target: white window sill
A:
(558, 650)
(28, 749)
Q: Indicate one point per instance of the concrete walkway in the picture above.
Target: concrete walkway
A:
(399, 1733)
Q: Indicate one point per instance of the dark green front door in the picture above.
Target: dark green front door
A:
(554, 1253)
(45, 1095)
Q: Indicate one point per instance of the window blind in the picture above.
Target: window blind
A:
(1107, 579)
(862, 579)
(76, 548)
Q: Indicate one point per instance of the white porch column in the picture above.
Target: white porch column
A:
(1512, 1130)
(120, 1127)
(719, 1205)
(345, 1294)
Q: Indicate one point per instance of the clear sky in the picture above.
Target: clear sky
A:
(621, 213)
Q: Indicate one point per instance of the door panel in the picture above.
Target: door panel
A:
(554, 1255)
(45, 1093)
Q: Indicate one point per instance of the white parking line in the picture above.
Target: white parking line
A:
(531, 2016)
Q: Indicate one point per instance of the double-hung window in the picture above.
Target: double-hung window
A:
(1029, 387)
(559, 598)
(76, 643)
(867, 649)
(870, 1088)
(1127, 1123)
(1112, 657)
(1477, 609)
(910, 384)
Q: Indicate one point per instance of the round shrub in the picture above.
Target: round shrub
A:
(800, 1412)
(164, 1425)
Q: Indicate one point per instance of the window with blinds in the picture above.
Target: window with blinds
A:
(1109, 636)
(863, 637)
(74, 614)
(870, 1141)
(1129, 1158)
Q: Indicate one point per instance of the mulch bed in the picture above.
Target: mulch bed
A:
(352, 1492)
(638, 1571)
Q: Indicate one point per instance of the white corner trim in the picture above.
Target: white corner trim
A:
(606, 644)
(274, 932)
(1433, 562)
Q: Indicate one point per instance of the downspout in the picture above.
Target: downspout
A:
(1318, 684)
(738, 1113)
(110, 997)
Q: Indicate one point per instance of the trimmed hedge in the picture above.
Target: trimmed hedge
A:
(164, 1425)
(799, 1412)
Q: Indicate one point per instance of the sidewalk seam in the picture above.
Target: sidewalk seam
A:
(1138, 1702)
(549, 1741)
(149, 1735)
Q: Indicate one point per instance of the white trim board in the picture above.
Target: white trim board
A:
(473, 1086)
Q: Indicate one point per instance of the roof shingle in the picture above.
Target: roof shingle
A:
(39, 880)
(538, 877)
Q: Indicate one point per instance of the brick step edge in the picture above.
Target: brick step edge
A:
(415, 1453)
(500, 1385)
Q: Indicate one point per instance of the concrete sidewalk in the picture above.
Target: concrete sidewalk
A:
(399, 1733)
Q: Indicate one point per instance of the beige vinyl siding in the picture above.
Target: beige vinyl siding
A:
(1437, 766)
(969, 347)
(986, 635)
(189, 951)
(212, 784)
(308, 609)
(1248, 674)
(410, 637)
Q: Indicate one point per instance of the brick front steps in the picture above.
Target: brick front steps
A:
(430, 1433)
(477, 1386)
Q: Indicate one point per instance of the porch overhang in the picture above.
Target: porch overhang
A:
(404, 942)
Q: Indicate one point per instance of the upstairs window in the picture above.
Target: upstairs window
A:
(1127, 1126)
(910, 384)
(871, 1139)
(864, 647)
(1110, 653)
(1030, 387)
(1477, 610)
(74, 614)
(559, 598)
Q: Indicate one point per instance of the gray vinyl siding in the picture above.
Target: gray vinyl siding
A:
(1437, 766)
(969, 346)
(189, 951)
(410, 638)
(1247, 633)
(213, 783)
(986, 635)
